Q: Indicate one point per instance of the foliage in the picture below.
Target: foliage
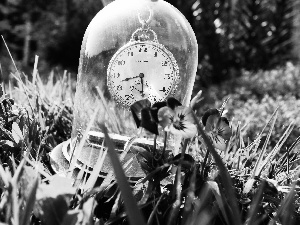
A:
(231, 35)
(51, 29)
(247, 34)
(254, 96)
(247, 183)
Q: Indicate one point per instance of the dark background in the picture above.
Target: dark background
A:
(232, 35)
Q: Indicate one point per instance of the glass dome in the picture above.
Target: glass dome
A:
(117, 33)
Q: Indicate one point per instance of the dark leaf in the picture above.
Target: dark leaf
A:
(53, 210)
(187, 162)
(71, 218)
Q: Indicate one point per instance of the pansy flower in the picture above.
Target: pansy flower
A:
(177, 119)
(217, 128)
(171, 115)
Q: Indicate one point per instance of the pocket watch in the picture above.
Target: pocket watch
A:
(142, 68)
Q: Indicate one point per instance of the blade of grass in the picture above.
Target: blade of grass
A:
(35, 71)
(151, 217)
(19, 78)
(1, 71)
(258, 163)
(176, 205)
(134, 215)
(200, 206)
(226, 181)
(252, 213)
(277, 147)
(269, 121)
(110, 175)
(30, 203)
(173, 215)
(286, 210)
(188, 209)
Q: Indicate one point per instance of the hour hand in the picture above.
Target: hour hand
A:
(129, 78)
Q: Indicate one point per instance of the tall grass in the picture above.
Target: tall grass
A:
(246, 184)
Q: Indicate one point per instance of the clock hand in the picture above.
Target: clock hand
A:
(142, 92)
(129, 78)
(141, 75)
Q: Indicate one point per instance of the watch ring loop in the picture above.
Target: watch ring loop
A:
(145, 22)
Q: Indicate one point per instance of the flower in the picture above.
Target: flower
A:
(143, 115)
(217, 128)
(178, 121)
(170, 114)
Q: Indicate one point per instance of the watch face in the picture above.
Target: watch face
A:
(142, 70)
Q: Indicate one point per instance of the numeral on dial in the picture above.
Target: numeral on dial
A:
(165, 63)
(169, 76)
(121, 63)
(163, 89)
(128, 97)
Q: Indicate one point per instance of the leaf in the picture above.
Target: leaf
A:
(52, 210)
(58, 186)
(16, 133)
(88, 211)
(53, 199)
(187, 161)
(71, 218)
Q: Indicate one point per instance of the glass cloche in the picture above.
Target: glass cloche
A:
(131, 50)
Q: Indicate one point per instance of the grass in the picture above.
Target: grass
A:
(249, 183)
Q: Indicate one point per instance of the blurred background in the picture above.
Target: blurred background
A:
(232, 35)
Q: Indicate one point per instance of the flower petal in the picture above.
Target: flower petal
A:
(165, 116)
(154, 109)
(173, 103)
(211, 122)
(223, 128)
(189, 131)
(148, 122)
(208, 113)
(218, 141)
(184, 114)
(136, 109)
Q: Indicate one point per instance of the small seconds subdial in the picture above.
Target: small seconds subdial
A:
(142, 70)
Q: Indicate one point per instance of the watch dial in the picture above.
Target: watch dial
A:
(142, 70)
